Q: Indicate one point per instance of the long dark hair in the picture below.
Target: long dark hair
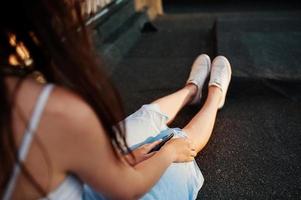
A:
(57, 40)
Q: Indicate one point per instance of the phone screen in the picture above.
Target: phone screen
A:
(164, 140)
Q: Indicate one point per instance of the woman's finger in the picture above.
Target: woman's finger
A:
(149, 146)
(147, 156)
(189, 143)
(193, 153)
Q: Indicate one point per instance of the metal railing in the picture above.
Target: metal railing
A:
(92, 10)
(90, 7)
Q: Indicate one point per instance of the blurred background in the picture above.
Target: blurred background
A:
(149, 46)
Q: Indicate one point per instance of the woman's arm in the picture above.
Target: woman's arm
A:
(141, 153)
(84, 149)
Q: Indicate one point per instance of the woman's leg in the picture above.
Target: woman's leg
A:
(199, 129)
(172, 104)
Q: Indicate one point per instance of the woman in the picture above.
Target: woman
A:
(66, 139)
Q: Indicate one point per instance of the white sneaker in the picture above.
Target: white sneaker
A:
(221, 75)
(199, 72)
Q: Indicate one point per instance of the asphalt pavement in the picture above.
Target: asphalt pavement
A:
(255, 148)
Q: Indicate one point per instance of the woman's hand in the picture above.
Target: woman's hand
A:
(142, 153)
(181, 148)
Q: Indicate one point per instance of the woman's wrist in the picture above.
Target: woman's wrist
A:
(168, 152)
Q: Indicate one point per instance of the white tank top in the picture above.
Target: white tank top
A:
(71, 187)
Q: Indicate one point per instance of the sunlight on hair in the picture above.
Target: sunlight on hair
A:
(38, 76)
(12, 60)
(34, 38)
(21, 58)
(12, 39)
(21, 51)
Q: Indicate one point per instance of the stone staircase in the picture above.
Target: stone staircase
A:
(116, 30)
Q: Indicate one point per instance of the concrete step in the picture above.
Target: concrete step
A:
(115, 47)
(115, 30)
(112, 18)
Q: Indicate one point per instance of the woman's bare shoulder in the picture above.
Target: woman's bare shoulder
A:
(68, 128)
(70, 112)
(63, 105)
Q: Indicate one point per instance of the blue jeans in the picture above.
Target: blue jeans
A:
(181, 181)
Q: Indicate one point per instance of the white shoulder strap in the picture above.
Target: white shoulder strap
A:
(27, 138)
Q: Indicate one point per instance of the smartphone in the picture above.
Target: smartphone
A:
(164, 140)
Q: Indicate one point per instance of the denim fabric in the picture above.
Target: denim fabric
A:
(181, 181)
